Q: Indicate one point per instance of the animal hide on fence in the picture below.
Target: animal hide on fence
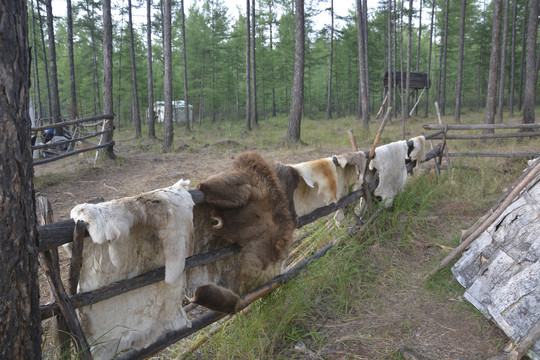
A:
(418, 150)
(128, 237)
(247, 207)
(390, 162)
(325, 181)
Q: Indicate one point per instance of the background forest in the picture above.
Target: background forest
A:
(215, 49)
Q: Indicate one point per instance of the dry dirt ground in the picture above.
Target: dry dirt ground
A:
(431, 327)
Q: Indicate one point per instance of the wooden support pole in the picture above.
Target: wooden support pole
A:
(46, 146)
(353, 140)
(382, 106)
(76, 256)
(490, 136)
(531, 174)
(66, 308)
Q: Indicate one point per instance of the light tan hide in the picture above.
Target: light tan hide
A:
(418, 151)
(323, 182)
(390, 161)
(128, 237)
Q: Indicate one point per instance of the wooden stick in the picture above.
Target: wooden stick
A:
(76, 256)
(523, 346)
(378, 136)
(353, 140)
(532, 172)
(501, 155)
(481, 126)
(382, 107)
(490, 136)
(66, 308)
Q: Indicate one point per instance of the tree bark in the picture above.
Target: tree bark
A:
(248, 66)
(135, 94)
(45, 64)
(167, 76)
(40, 107)
(494, 63)
(90, 10)
(73, 111)
(445, 56)
(108, 106)
(271, 22)
(52, 66)
(329, 92)
(457, 111)
(21, 327)
(503, 62)
(363, 91)
(184, 66)
(532, 71)
(523, 52)
(150, 84)
(293, 131)
(408, 82)
(513, 60)
(429, 56)
(390, 69)
(253, 67)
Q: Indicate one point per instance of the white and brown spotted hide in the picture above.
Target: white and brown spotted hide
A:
(390, 162)
(128, 237)
(326, 180)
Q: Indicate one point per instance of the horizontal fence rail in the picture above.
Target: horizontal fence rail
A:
(73, 122)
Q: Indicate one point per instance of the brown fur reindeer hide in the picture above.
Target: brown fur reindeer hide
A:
(248, 207)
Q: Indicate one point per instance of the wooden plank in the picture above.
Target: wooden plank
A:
(501, 155)
(480, 126)
(73, 122)
(490, 136)
(76, 256)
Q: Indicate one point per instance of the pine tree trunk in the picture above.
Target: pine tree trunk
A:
(108, 77)
(184, 66)
(426, 113)
(523, 52)
(167, 77)
(445, 57)
(532, 70)
(408, 81)
(390, 69)
(363, 94)
(513, 60)
(503, 62)
(494, 62)
(271, 14)
(329, 92)
(253, 67)
(90, 9)
(418, 48)
(457, 111)
(40, 107)
(150, 84)
(21, 325)
(293, 131)
(54, 74)
(248, 65)
(136, 113)
(366, 51)
(73, 110)
(45, 65)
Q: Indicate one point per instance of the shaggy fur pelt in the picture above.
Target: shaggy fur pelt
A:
(251, 209)
(128, 237)
(390, 161)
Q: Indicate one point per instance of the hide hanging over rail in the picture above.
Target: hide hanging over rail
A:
(128, 237)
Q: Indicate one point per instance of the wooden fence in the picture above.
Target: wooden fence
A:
(526, 130)
(80, 133)
(56, 234)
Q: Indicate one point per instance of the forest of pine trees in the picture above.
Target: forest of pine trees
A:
(420, 36)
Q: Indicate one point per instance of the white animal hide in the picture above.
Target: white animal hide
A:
(418, 152)
(390, 161)
(131, 236)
